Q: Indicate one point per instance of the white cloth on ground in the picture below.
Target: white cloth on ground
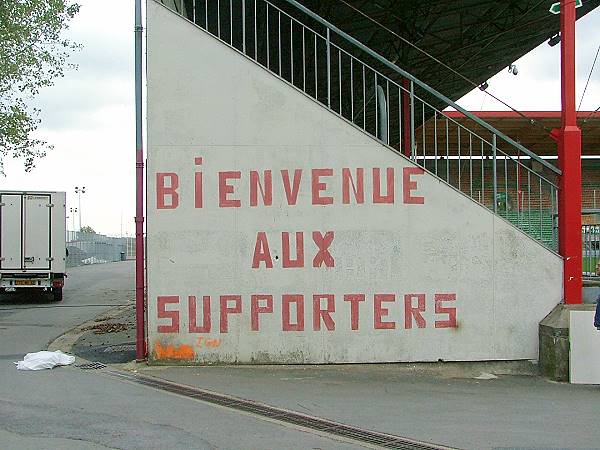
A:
(44, 360)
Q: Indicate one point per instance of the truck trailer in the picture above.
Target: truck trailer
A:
(32, 242)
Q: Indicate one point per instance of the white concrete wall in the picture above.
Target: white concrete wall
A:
(207, 101)
(584, 339)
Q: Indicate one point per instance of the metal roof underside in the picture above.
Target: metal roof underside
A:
(477, 38)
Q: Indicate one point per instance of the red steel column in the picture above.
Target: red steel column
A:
(569, 161)
(140, 318)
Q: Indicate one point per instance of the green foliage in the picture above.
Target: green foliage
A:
(32, 55)
(87, 229)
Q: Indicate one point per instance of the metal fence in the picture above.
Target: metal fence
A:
(375, 95)
(590, 197)
(590, 237)
(129, 247)
(92, 248)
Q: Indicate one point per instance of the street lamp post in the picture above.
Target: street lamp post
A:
(79, 191)
(73, 212)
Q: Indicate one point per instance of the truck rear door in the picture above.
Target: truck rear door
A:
(11, 232)
(36, 232)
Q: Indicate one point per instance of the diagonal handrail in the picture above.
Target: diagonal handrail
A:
(312, 55)
(425, 86)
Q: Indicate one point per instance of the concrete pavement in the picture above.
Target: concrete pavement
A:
(424, 403)
(69, 405)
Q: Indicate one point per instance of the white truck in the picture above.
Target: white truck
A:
(32, 241)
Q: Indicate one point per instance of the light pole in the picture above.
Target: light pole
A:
(73, 212)
(79, 191)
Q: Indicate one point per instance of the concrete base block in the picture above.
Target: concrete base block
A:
(554, 341)
(591, 289)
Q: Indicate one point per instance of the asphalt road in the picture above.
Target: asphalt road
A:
(71, 408)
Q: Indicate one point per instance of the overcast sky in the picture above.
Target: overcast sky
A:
(89, 114)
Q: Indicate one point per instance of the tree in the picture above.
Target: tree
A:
(87, 229)
(32, 55)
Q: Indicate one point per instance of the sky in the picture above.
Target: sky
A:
(536, 87)
(89, 117)
(89, 114)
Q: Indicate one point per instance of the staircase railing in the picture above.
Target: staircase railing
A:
(387, 102)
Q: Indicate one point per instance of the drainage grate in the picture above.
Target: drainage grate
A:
(291, 417)
(91, 366)
(120, 348)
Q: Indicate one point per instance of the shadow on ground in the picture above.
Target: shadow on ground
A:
(26, 297)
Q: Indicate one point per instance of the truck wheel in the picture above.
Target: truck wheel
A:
(57, 294)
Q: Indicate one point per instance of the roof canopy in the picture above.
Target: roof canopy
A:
(477, 38)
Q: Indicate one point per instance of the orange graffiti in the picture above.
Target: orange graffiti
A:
(206, 342)
(182, 352)
(213, 343)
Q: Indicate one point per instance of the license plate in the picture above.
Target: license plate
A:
(24, 282)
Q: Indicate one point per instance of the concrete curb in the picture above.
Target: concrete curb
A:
(65, 342)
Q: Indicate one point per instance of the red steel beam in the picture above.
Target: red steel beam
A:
(569, 161)
(515, 115)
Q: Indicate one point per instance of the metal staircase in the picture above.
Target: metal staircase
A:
(371, 93)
